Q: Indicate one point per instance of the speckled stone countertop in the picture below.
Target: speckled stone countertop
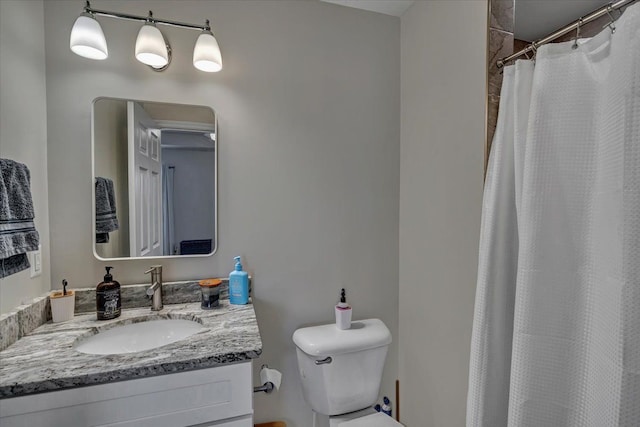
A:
(45, 360)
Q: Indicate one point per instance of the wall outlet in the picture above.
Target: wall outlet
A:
(36, 262)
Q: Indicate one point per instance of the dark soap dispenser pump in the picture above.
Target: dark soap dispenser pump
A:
(108, 303)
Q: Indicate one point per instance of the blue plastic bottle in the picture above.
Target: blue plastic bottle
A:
(238, 285)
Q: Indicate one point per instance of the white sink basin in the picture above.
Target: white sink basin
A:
(137, 337)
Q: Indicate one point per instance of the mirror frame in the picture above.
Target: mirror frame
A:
(93, 187)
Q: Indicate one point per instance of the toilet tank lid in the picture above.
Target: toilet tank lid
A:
(328, 340)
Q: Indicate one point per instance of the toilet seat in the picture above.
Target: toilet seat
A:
(374, 420)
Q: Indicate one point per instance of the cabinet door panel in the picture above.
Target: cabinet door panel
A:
(182, 399)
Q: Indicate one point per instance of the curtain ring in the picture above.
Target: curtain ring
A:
(534, 49)
(575, 41)
(611, 24)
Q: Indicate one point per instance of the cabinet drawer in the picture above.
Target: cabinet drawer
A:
(181, 399)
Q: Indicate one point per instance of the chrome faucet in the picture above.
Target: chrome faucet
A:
(155, 290)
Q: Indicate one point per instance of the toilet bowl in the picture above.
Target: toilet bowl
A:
(341, 371)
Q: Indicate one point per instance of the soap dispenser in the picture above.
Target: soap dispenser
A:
(108, 303)
(238, 285)
(343, 312)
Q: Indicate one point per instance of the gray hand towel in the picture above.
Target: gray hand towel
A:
(18, 234)
(106, 219)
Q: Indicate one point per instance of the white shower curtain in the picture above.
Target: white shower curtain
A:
(556, 334)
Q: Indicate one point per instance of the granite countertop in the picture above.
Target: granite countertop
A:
(45, 360)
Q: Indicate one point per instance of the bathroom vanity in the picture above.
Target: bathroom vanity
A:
(204, 379)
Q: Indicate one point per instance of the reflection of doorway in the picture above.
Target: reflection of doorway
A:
(145, 188)
(189, 162)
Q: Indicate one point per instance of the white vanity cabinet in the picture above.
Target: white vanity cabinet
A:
(220, 397)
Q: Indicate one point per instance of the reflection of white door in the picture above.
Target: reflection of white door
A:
(145, 183)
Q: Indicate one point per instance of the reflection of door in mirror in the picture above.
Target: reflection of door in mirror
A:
(145, 190)
(161, 159)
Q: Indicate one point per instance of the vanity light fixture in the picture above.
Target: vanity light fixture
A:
(206, 53)
(151, 48)
(87, 40)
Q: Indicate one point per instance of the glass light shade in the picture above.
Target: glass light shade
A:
(151, 49)
(87, 38)
(206, 53)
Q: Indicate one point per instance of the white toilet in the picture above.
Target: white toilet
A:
(341, 371)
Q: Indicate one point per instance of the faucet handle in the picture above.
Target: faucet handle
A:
(154, 268)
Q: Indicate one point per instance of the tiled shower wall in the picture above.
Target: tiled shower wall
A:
(501, 23)
(502, 43)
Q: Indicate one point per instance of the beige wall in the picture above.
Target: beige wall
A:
(23, 127)
(443, 57)
(308, 106)
(111, 161)
(310, 166)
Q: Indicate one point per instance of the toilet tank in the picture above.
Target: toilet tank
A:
(350, 379)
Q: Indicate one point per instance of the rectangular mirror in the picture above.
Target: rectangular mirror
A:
(155, 179)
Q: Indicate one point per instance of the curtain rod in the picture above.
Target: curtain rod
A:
(564, 30)
(88, 9)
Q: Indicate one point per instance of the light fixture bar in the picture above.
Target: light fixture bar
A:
(138, 18)
(87, 39)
